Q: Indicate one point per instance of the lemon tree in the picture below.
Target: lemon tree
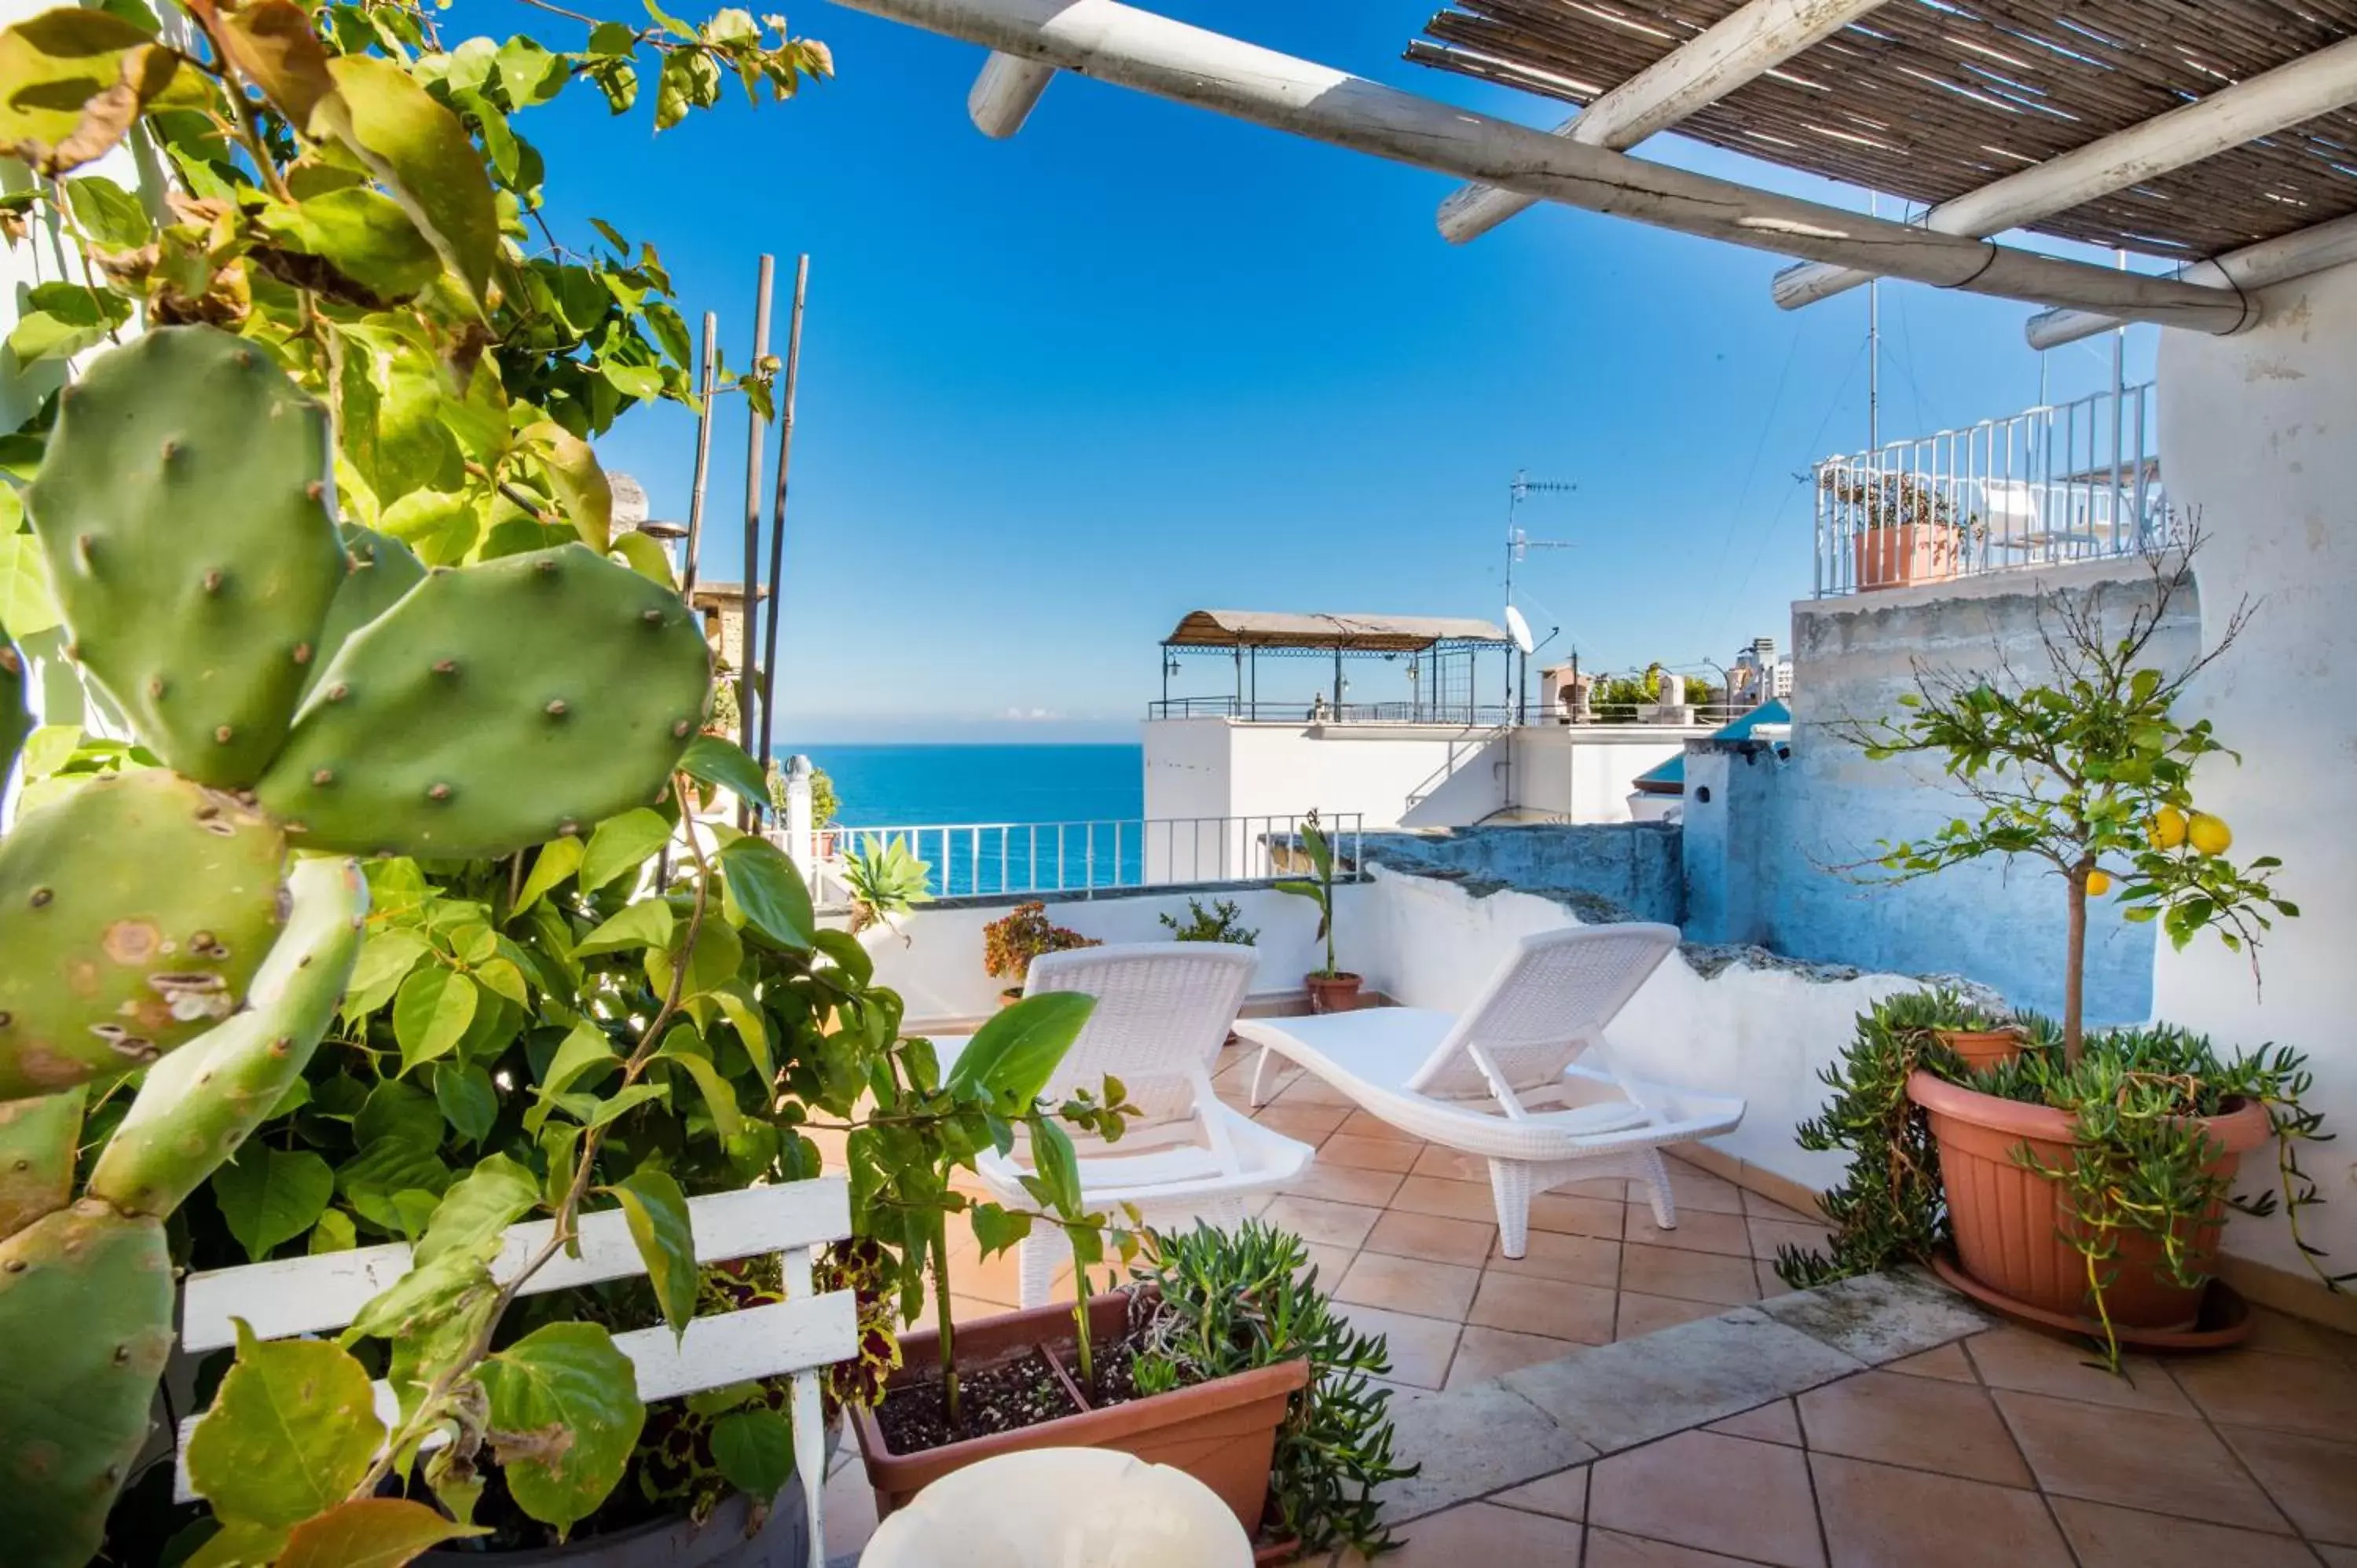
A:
(2090, 772)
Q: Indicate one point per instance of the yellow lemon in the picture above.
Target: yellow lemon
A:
(2167, 828)
(2098, 883)
(2208, 834)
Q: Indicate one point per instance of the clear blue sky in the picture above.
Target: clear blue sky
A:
(1059, 390)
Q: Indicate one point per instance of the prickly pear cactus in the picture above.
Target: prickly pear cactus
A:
(495, 706)
(133, 915)
(86, 1321)
(36, 1156)
(185, 511)
(16, 718)
(381, 569)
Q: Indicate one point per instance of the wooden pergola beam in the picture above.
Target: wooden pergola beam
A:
(2279, 260)
(1697, 73)
(1005, 95)
(2259, 106)
(1169, 60)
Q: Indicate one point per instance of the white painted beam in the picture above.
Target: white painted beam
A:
(2259, 106)
(1005, 95)
(2281, 260)
(1169, 60)
(1697, 73)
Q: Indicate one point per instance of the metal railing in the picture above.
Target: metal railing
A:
(984, 859)
(2072, 481)
(1484, 716)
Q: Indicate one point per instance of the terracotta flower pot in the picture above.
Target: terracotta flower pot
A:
(1905, 552)
(1333, 993)
(1222, 1432)
(2009, 1220)
(1983, 1047)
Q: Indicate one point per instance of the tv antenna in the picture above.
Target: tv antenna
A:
(1519, 545)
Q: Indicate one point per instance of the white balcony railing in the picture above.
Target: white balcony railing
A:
(984, 859)
(2069, 481)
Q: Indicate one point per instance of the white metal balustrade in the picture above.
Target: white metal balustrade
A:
(2070, 481)
(984, 859)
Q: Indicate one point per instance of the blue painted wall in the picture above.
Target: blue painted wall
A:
(1629, 871)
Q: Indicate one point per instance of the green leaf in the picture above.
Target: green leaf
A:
(430, 1013)
(686, 1051)
(334, 1233)
(291, 1433)
(712, 760)
(1012, 1056)
(1058, 1167)
(583, 492)
(754, 1451)
(623, 843)
(656, 1211)
(494, 1196)
(26, 609)
(368, 1532)
(54, 63)
(566, 1413)
(469, 1102)
(645, 924)
(997, 1229)
(620, 1104)
(384, 961)
(419, 149)
(63, 320)
(581, 1050)
(386, 1168)
(643, 554)
(768, 889)
(858, 965)
(752, 1029)
(108, 213)
(363, 234)
(270, 1196)
(558, 859)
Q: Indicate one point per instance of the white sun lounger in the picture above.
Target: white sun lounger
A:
(1504, 1081)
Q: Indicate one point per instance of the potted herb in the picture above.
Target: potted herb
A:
(1902, 531)
(2083, 1182)
(1010, 943)
(1223, 1358)
(1222, 922)
(1331, 988)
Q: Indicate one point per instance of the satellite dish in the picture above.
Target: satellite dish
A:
(1518, 629)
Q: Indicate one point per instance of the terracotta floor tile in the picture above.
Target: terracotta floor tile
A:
(1878, 1516)
(1553, 1307)
(1452, 1165)
(1486, 1353)
(2279, 1334)
(1773, 1422)
(2338, 1556)
(2311, 1479)
(1759, 1207)
(847, 1508)
(1329, 1261)
(1563, 1493)
(1576, 1216)
(2042, 1364)
(2286, 1393)
(1714, 1493)
(1920, 1422)
(1409, 1284)
(1689, 1276)
(1432, 1236)
(1696, 1188)
(1420, 1346)
(2106, 1537)
(1585, 1260)
(1458, 1199)
(1947, 1363)
(1640, 1314)
(1367, 1124)
(1698, 1230)
(1768, 1237)
(1367, 1154)
(1611, 1189)
(1308, 1088)
(1607, 1550)
(1316, 1219)
(2134, 1458)
(1344, 1183)
(1311, 1124)
(1484, 1533)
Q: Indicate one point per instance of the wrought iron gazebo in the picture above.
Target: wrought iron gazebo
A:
(1443, 655)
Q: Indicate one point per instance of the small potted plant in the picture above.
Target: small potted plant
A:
(1331, 988)
(885, 880)
(1222, 922)
(1010, 943)
(1901, 529)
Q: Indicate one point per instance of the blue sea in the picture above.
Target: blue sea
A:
(901, 786)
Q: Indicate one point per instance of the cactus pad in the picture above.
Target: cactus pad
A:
(36, 1156)
(85, 1325)
(201, 1103)
(379, 570)
(15, 719)
(495, 706)
(185, 511)
(133, 913)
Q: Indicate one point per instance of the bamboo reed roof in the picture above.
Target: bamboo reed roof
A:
(1928, 99)
(1348, 633)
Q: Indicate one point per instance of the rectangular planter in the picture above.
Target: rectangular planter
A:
(1222, 1432)
(1897, 554)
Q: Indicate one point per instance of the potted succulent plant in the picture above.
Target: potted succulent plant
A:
(1010, 943)
(1901, 529)
(1332, 989)
(2082, 1179)
(885, 881)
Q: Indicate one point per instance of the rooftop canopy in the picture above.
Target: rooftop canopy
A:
(1340, 633)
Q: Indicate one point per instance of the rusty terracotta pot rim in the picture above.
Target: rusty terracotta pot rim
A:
(2239, 1130)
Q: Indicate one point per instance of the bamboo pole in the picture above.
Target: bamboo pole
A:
(777, 510)
(706, 360)
(756, 429)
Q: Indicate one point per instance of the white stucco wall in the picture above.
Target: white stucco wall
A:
(2258, 438)
(1582, 773)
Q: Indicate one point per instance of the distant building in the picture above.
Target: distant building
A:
(1759, 675)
